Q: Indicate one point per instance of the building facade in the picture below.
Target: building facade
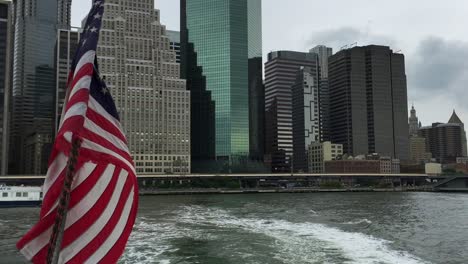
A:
(413, 122)
(352, 166)
(203, 130)
(419, 153)
(280, 75)
(319, 153)
(446, 141)
(389, 165)
(5, 77)
(256, 87)
(174, 38)
(368, 101)
(305, 115)
(225, 35)
(324, 53)
(143, 76)
(32, 128)
(67, 43)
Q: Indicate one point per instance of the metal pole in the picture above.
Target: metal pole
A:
(55, 243)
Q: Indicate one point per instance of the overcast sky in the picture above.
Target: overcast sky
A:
(432, 34)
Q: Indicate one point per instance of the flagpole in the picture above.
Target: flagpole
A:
(55, 243)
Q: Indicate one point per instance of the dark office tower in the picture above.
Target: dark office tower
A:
(324, 54)
(280, 75)
(219, 30)
(368, 101)
(446, 141)
(36, 23)
(256, 87)
(5, 76)
(202, 106)
(305, 115)
(67, 44)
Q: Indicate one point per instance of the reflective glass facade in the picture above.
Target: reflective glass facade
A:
(5, 62)
(36, 23)
(219, 30)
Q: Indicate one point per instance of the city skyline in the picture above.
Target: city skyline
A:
(429, 48)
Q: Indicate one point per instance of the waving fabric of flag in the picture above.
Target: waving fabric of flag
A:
(104, 193)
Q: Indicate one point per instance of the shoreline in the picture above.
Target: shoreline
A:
(271, 191)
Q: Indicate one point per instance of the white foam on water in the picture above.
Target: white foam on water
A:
(357, 222)
(306, 242)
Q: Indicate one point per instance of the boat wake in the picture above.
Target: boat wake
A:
(289, 242)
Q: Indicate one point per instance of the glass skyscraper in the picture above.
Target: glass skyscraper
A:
(5, 63)
(36, 23)
(225, 34)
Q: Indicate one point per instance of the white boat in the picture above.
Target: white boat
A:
(20, 196)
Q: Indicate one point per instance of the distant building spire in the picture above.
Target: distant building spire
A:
(414, 123)
(454, 119)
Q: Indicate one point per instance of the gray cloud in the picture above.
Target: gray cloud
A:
(439, 66)
(340, 37)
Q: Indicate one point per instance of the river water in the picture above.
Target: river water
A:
(285, 228)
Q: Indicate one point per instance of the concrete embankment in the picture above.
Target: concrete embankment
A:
(146, 192)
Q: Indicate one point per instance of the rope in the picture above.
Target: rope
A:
(55, 242)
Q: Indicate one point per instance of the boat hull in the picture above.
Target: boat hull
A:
(14, 204)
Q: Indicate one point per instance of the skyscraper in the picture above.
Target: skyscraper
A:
(202, 137)
(280, 75)
(324, 54)
(36, 23)
(225, 34)
(305, 115)
(446, 141)
(256, 87)
(5, 74)
(413, 123)
(144, 78)
(174, 38)
(368, 101)
(67, 43)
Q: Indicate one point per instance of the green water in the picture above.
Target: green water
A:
(286, 228)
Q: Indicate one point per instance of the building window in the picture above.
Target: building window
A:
(25, 194)
(18, 194)
(4, 194)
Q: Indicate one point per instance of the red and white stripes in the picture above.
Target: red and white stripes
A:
(104, 194)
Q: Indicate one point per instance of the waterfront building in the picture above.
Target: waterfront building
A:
(174, 38)
(5, 80)
(67, 43)
(280, 75)
(389, 165)
(144, 78)
(368, 101)
(413, 123)
(305, 115)
(319, 153)
(419, 153)
(352, 166)
(446, 141)
(324, 54)
(225, 34)
(35, 30)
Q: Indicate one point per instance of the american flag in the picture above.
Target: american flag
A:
(104, 193)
